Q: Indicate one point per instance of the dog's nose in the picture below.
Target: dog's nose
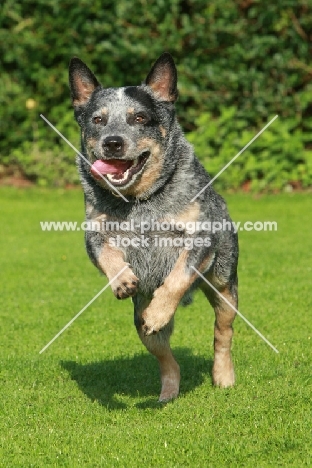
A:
(113, 145)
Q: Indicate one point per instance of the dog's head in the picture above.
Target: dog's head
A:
(126, 131)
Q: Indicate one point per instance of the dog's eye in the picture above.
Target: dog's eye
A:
(140, 118)
(97, 119)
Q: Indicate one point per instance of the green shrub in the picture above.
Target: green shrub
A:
(45, 158)
(251, 55)
(275, 159)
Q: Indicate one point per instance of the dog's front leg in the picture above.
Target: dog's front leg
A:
(110, 260)
(168, 296)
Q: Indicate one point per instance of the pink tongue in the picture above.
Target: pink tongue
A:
(113, 166)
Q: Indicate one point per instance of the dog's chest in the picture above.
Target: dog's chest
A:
(150, 245)
(151, 250)
(150, 240)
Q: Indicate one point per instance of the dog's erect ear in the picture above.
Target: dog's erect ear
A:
(82, 82)
(162, 78)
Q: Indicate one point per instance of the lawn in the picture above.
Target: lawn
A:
(90, 399)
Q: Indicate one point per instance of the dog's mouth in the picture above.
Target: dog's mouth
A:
(119, 172)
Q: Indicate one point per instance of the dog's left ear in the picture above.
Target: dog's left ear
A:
(162, 78)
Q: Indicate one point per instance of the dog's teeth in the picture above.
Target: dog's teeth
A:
(113, 178)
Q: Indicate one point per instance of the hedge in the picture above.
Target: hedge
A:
(239, 62)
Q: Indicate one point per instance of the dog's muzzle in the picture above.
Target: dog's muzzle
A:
(113, 146)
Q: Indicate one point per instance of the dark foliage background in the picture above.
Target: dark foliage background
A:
(240, 62)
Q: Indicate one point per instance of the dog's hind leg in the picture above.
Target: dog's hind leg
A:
(159, 345)
(223, 370)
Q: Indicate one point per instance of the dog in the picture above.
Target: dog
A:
(140, 175)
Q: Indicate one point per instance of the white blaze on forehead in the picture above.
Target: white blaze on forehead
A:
(120, 93)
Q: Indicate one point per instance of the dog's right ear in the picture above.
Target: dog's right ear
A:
(82, 82)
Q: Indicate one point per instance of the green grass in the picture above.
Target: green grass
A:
(90, 399)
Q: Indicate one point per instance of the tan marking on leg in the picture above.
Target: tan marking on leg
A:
(223, 370)
(167, 297)
(169, 368)
(111, 261)
(159, 346)
(170, 376)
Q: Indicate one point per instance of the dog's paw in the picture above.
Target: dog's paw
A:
(170, 381)
(154, 322)
(125, 285)
(223, 375)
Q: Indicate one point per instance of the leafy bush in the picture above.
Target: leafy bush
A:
(249, 55)
(276, 159)
(49, 160)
